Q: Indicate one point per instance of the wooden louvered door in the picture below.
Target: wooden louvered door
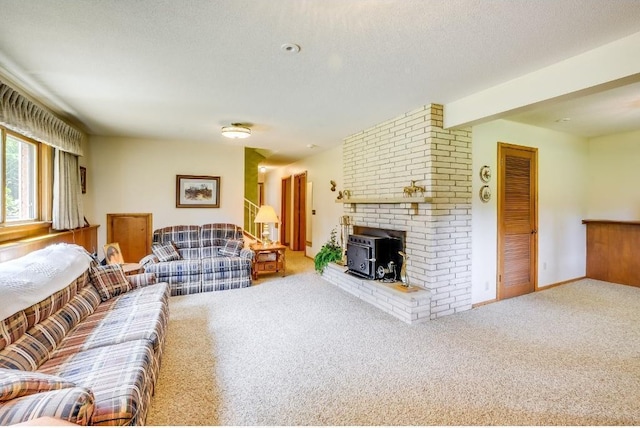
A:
(299, 212)
(517, 220)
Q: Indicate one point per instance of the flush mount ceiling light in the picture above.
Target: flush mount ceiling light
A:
(236, 131)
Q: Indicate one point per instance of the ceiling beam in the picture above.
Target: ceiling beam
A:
(612, 65)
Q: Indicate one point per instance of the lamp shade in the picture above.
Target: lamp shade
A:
(266, 214)
(236, 131)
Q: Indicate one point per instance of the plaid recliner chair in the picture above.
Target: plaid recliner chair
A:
(194, 259)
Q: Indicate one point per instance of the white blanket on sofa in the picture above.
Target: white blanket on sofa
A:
(29, 279)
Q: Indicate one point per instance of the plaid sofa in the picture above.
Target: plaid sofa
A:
(210, 257)
(83, 355)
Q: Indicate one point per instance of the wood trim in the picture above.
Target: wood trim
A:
(486, 302)
(85, 236)
(299, 212)
(285, 211)
(148, 232)
(612, 252)
(557, 284)
(634, 223)
(46, 182)
(16, 232)
(398, 200)
(502, 149)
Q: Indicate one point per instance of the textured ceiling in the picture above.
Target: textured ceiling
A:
(181, 69)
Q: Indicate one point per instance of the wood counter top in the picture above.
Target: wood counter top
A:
(631, 222)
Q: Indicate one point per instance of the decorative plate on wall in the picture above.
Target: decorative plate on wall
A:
(485, 173)
(485, 193)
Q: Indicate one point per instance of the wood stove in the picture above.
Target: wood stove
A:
(374, 257)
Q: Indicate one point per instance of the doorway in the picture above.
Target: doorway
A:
(299, 241)
(517, 220)
(285, 208)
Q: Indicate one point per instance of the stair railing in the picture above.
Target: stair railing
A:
(250, 212)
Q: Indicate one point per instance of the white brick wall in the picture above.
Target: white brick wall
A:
(381, 161)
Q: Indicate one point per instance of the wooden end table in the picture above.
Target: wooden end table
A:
(269, 259)
(132, 268)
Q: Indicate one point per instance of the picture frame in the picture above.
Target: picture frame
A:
(83, 179)
(197, 191)
(112, 254)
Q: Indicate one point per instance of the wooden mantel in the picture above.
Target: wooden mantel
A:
(613, 251)
(410, 202)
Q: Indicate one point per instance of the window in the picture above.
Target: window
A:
(20, 179)
(26, 180)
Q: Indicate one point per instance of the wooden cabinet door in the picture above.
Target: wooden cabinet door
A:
(133, 232)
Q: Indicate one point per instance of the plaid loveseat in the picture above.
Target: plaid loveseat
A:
(89, 352)
(195, 259)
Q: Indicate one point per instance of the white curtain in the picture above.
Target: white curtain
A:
(22, 115)
(67, 193)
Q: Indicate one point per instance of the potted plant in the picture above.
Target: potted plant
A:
(331, 251)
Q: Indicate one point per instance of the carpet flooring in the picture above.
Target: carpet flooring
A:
(300, 351)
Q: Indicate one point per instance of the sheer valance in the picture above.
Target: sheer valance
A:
(20, 114)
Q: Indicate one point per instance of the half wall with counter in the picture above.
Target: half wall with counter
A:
(613, 251)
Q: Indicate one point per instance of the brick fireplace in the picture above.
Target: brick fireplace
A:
(378, 163)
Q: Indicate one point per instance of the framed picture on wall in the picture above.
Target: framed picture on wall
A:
(83, 179)
(197, 191)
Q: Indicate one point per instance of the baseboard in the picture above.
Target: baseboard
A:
(556, 284)
(487, 302)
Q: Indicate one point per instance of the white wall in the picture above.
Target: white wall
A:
(563, 173)
(127, 175)
(614, 175)
(321, 169)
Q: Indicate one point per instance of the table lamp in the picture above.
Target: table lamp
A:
(266, 214)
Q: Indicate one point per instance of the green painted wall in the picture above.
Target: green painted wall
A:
(251, 161)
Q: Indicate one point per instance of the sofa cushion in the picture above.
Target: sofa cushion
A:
(216, 234)
(140, 280)
(142, 313)
(11, 328)
(175, 269)
(120, 376)
(74, 405)
(185, 238)
(110, 327)
(232, 248)
(165, 252)
(110, 281)
(225, 264)
(140, 296)
(26, 353)
(53, 330)
(18, 383)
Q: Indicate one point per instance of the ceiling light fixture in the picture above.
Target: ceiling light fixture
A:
(236, 131)
(290, 48)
